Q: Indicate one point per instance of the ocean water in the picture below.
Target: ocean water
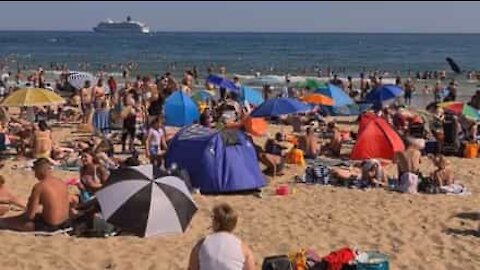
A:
(271, 55)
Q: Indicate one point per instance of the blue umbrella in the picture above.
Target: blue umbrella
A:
(180, 110)
(251, 95)
(222, 82)
(384, 93)
(280, 106)
(336, 93)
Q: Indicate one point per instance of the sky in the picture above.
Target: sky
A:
(260, 16)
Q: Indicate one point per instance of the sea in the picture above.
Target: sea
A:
(257, 58)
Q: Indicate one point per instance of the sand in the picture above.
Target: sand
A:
(415, 231)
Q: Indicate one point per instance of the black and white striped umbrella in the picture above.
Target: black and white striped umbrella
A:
(140, 201)
(78, 79)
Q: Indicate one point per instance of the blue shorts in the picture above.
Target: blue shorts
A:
(154, 150)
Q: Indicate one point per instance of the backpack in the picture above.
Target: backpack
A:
(426, 185)
(280, 262)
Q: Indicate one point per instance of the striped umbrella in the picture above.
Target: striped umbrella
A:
(461, 108)
(78, 79)
(141, 201)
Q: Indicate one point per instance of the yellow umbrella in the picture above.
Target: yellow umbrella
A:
(318, 99)
(31, 97)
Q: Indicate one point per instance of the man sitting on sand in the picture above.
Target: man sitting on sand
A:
(7, 198)
(310, 144)
(408, 162)
(222, 249)
(50, 193)
(334, 147)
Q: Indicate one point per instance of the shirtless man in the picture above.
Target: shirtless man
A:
(50, 193)
(310, 144)
(408, 162)
(86, 100)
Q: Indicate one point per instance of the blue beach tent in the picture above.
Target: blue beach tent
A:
(337, 94)
(251, 95)
(217, 161)
(180, 110)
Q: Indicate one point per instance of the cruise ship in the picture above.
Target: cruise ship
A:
(127, 26)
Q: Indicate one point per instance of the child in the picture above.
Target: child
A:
(155, 143)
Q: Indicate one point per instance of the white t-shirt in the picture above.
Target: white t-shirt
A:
(156, 136)
(221, 250)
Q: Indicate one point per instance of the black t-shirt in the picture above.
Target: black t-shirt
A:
(156, 107)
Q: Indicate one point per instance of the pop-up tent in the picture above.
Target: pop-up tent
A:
(217, 162)
(180, 110)
(377, 140)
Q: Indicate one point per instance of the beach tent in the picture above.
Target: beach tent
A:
(336, 93)
(217, 162)
(377, 140)
(365, 118)
(250, 95)
(180, 110)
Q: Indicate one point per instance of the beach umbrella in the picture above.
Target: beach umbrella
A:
(311, 83)
(318, 99)
(250, 95)
(384, 93)
(280, 106)
(203, 95)
(222, 82)
(142, 201)
(460, 108)
(78, 79)
(336, 93)
(31, 97)
(180, 110)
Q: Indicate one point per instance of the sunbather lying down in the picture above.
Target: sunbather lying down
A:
(7, 198)
(368, 173)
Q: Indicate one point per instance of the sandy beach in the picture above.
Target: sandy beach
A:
(415, 231)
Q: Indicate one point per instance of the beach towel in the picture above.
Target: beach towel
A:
(336, 260)
(454, 189)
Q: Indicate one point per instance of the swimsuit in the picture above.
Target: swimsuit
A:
(41, 225)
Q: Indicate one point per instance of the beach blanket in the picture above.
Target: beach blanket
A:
(101, 121)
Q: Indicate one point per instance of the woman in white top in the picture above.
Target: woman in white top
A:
(222, 250)
(155, 143)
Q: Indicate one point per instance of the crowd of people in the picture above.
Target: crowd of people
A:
(138, 109)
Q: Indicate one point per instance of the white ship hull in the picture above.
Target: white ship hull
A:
(144, 30)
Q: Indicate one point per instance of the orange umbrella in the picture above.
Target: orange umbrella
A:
(255, 126)
(318, 99)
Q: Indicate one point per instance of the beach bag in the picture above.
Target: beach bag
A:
(280, 262)
(471, 150)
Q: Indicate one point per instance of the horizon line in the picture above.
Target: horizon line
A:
(256, 32)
